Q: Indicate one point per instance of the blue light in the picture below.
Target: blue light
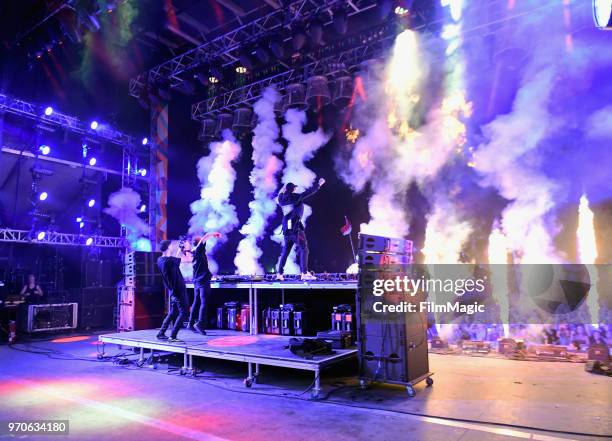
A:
(79, 219)
(143, 208)
(43, 196)
(81, 224)
(89, 241)
(94, 125)
(91, 203)
(49, 111)
(41, 235)
(92, 161)
(145, 141)
(44, 149)
(143, 172)
(84, 146)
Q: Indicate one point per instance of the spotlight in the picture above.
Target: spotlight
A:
(213, 80)
(241, 69)
(315, 30)
(92, 161)
(94, 125)
(145, 141)
(143, 208)
(44, 149)
(244, 56)
(41, 235)
(43, 196)
(602, 14)
(84, 149)
(215, 74)
(49, 111)
(89, 241)
(298, 36)
(81, 224)
(400, 11)
(91, 203)
(142, 172)
(79, 219)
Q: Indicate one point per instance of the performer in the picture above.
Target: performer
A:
(175, 284)
(201, 284)
(31, 291)
(294, 232)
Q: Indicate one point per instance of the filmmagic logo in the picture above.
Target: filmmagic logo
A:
(429, 307)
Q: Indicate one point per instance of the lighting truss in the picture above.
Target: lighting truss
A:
(225, 47)
(334, 65)
(53, 238)
(35, 112)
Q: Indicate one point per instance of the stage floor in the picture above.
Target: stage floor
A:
(108, 401)
(263, 349)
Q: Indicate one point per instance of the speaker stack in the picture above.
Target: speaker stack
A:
(141, 299)
(392, 347)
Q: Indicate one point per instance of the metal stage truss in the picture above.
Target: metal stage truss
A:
(226, 45)
(267, 350)
(255, 287)
(36, 112)
(53, 238)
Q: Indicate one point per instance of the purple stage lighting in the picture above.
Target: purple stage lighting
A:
(49, 111)
(43, 196)
(143, 172)
(91, 203)
(44, 149)
(94, 125)
(81, 224)
(92, 161)
(145, 141)
(89, 241)
(143, 208)
(79, 219)
(40, 235)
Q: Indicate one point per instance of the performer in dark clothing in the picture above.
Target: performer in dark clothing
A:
(31, 291)
(201, 284)
(175, 284)
(294, 232)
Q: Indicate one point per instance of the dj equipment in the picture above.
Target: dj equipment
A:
(338, 339)
(233, 314)
(301, 323)
(244, 322)
(475, 347)
(275, 316)
(222, 318)
(287, 312)
(548, 351)
(43, 318)
(266, 321)
(141, 299)
(392, 347)
(599, 353)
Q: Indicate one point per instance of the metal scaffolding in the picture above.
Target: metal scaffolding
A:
(225, 47)
(53, 238)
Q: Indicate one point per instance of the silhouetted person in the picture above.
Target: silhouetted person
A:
(294, 232)
(31, 292)
(169, 266)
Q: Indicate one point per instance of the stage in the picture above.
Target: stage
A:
(268, 350)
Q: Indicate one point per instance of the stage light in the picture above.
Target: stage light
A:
(145, 141)
(89, 241)
(79, 219)
(602, 14)
(44, 149)
(49, 111)
(298, 36)
(315, 30)
(84, 149)
(43, 196)
(94, 125)
(142, 172)
(262, 52)
(400, 11)
(91, 203)
(241, 70)
(213, 79)
(244, 56)
(41, 235)
(81, 224)
(92, 161)
(143, 208)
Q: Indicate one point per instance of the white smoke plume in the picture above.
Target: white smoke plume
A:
(266, 166)
(214, 211)
(507, 163)
(301, 148)
(124, 206)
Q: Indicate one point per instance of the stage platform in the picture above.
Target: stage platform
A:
(254, 288)
(265, 349)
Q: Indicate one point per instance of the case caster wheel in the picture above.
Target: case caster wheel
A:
(429, 381)
(248, 382)
(410, 391)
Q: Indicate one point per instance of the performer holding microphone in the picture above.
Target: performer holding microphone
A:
(294, 231)
(201, 283)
